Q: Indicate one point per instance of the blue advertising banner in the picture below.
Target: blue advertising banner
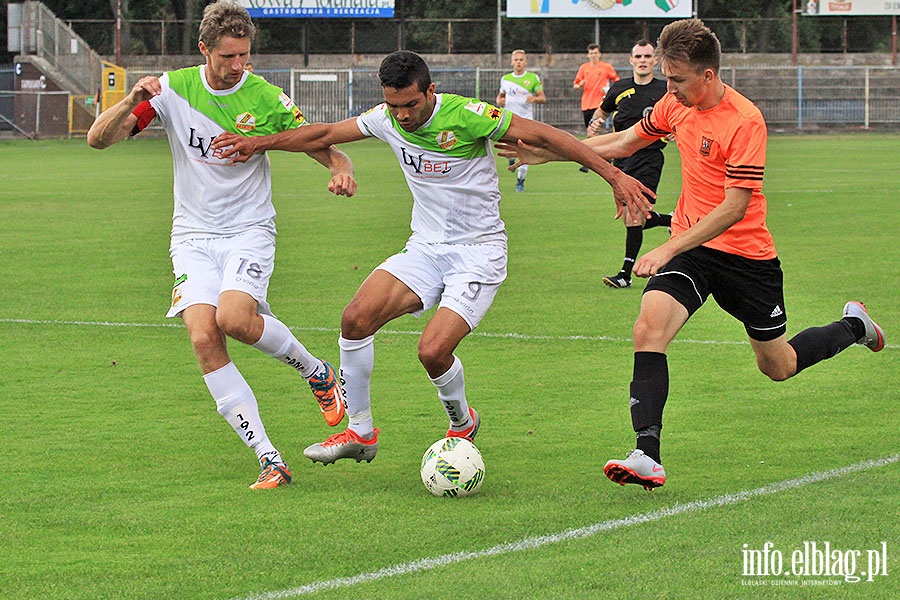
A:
(319, 9)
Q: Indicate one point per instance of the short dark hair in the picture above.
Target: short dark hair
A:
(593, 47)
(643, 42)
(691, 42)
(225, 18)
(402, 69)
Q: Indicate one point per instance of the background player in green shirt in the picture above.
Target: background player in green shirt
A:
(519, 92)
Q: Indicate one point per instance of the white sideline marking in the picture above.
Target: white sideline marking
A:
(426, 564)
(487, 334)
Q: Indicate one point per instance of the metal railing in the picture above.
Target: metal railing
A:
(50, 39)
(35, 114)
(789, 97)
(800, 98)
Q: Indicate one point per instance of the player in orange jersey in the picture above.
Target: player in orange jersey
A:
(720, 244)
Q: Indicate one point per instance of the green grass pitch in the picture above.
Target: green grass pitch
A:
(119, 480)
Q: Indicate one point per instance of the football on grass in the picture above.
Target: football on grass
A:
(452, 467)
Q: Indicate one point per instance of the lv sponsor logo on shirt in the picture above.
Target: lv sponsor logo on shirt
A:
(197, 142)
(421, 165)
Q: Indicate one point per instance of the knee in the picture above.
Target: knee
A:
(776, 360)
(774, 370)
(234, 324)
(355, 322)
(435, 358)
(206, 341)
(645, 334)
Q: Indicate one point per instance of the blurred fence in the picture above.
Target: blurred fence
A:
(789, 97)
(856, 34)
(35, 114)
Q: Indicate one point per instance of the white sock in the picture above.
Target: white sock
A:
(278, 342)
(451, 389)
(235, 401)
(357, 364)
(521, 172)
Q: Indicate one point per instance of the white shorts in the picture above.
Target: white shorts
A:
(206, 267)
(463, 277)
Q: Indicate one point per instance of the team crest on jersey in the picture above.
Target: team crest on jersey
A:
(285, 100)
(705, 146)
(493, 112)
(446, 140)
(245, 122)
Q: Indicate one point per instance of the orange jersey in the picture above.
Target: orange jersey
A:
(722, 147)
(596, 80)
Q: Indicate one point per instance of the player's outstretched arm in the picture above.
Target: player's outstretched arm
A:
(310, 138)
(630, 194)
(341, 167)
(116, 123)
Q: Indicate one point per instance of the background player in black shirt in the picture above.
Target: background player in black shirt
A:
(628, 100)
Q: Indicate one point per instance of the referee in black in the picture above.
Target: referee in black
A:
(628, 100)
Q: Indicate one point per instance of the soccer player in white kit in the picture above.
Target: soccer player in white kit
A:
(456, 255)
(519, 92)
(223, 226)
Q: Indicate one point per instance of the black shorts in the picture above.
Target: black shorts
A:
(644, 165)
(588, 115)
(752, 291)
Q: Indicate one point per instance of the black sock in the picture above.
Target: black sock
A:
(634, 237)
(649, 391)
(657, 220)
(818, 343)
(648, 442)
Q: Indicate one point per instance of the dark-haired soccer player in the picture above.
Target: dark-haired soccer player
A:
(456, 256)
(720, 244)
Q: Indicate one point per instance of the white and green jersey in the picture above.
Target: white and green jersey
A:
(450, 169)
(519, 87)
(212, 197)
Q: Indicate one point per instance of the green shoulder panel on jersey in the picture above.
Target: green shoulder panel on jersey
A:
(527, 81)
(460, 127)
(256, 108)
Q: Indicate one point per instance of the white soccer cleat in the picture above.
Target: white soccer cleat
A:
(346, 444)
(636, 468)
(874, 337)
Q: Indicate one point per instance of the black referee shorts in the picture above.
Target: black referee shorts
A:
(644, 165)
(752, 291)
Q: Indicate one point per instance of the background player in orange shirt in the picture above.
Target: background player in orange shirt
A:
(720, 244)
(593, 79)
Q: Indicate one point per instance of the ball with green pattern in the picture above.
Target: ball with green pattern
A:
(452, 467)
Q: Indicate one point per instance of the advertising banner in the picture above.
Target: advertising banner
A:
(319, 9)
(849, 8)
(628, 9)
